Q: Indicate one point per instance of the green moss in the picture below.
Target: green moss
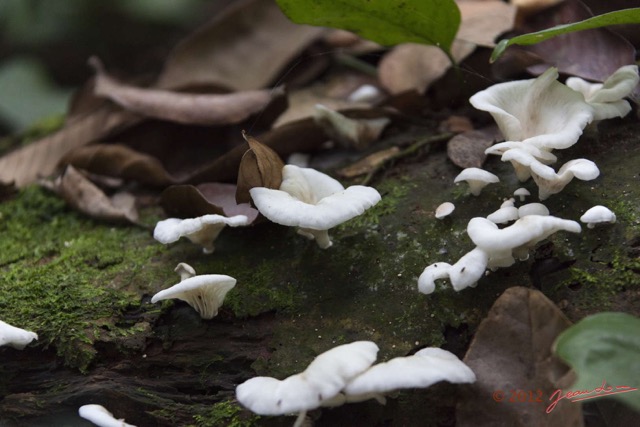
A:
(68, 278)
(226, 413)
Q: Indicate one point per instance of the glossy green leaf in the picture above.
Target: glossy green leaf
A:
(625, 16)
(604, 348)
(432, 22)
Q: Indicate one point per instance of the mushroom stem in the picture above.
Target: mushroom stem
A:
(300, 420)
(321, 236)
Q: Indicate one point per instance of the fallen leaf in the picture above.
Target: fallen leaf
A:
(85, 197)
(198, 109)
(512, 359)
(350, 133)
(188, 201)
(456, 124)
(368, 163)
(244, 47)
(466, 149)
(260, 167)
(119, 161)
(415, 66)
(529, 7)
(40, 158)
(591, 54)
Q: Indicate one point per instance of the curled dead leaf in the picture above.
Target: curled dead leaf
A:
(511, 350)
(85, 197)
(119, 161)
(260, 167)
(200, 109)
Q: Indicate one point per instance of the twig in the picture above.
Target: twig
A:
(406, 152)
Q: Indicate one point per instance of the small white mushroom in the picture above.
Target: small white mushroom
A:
(522, 193)
(463, 274)
(607, 98)
(427, 280)
(549, 182)
(365, 93)
(316, 386)
(504, 214)
(425, 368)
(203, 230)
(205, 293)
(351, 133)
(15, 337)
(101, 417)
(477, 179)
(540, 111)
(529, 151)
(313, 202)
(185, 271)
(508, 203)
(444, 210)
(596, 215)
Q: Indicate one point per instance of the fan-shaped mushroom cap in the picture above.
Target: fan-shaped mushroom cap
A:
(15, 337)
(323, 379)
(444, 210)
(427, 280)
(205, 293)
(425, 368)
(313, 201)
(607, 98)
(549, 182)
(598, 214)
(202, 230)
(533, 209)
(540, 111)
(504, 214)
(100, 416)
(476, 178)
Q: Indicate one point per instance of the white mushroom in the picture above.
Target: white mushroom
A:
(522, 172)
(541, 111)
(15, 337)
(425, 368)
(476, 178)
(320, 383)
(185, 271)
(313, 202)
(427, 280)
(522, 193)
(533, 209)
(607, 98)
(549, 182)
(444, 210)
(205, 293)
(504, 214)
(101, 417)
(463, 274)
(596, 215)
(202, 230)
(351, 133)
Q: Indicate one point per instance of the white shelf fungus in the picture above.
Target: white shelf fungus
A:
(444, 210)
(313, 202)
(425, 368)
(477, 179)
(541, 111)
(203, 230)
(205, 293)
(15, 337)
(607, 98)
(597, 215)
(321, 382)
(101, 417)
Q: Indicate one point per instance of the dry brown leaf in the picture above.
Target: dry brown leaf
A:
(591, 54)
(197, 109)
(511, 353)
(466, 150)
(528, 7)
(243, 48)
(119, 161)
(368, 163)
(415, 67)
(188, 201)
(456, 124)
(40, 158)
(260, 167)
(84, 196)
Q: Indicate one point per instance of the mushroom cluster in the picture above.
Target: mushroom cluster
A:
(344, 374)
(537, 116)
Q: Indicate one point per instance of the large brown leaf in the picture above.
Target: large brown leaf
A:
(511, 353)
(187, 108)
(260, 167)
(243, 48)
(119, 161)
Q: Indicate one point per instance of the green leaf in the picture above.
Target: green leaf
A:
(619, 17)
(604, 347)
(432, 22)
